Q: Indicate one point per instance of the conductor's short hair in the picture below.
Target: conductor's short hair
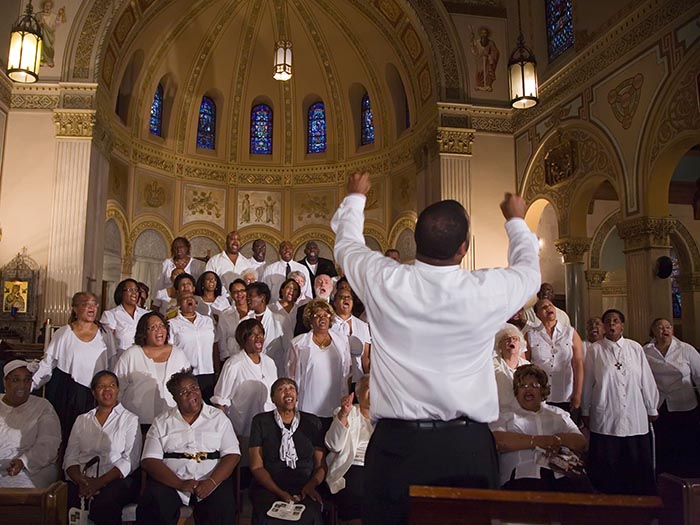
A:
(441, 228)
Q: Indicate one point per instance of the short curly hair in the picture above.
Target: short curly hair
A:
(531, 371)
(140, 337)
(314, 305)
(245, 328)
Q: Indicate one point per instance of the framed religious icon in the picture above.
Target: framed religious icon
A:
(15, 297)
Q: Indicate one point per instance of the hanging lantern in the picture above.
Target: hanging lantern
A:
(522, 73)
(283, 61)
(25, 48)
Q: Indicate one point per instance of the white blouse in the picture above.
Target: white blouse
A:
(122, 327)
(196, 340)
(504, 381)
(80, 359)
(212, 309)
(357, 332)
(675, 374)
(554, 355)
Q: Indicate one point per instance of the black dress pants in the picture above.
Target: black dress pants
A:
(459, 453)
(106, 507)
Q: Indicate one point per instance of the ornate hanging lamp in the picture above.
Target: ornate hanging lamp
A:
(25, 48)
(522, 73)
(283, 61)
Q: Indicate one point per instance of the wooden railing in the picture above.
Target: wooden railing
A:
(34, 506)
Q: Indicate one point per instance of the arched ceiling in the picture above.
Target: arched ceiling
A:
(224, 49)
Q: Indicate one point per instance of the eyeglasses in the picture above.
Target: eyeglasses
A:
(156, 327)
(131, 290)
(187, 391)
(87, 304)
(530, 385)
(322, 316)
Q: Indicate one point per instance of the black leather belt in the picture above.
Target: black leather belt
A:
(426, 424)
(197, 456)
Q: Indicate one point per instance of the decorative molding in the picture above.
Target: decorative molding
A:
(34, 101)
(560, 163)
(5, 90)
(406, 222)
(624, 99)
(325, 235)
(88, 36)
(595, 278)
(156, 225)
(615, 289)
(572, 248)
(199, 231)
(599, 237)
(74, 123)
(455, 141)
(684, 237)
(479, 118)
(647, 232)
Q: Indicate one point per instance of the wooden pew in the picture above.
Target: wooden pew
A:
(452, 506)
(34, 506)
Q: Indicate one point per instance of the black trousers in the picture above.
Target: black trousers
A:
(401, 454)
(106, 507)
(677, 436)
(622, 465)
(161, 505)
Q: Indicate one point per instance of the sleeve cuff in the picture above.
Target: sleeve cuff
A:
(223, 401)
(356, 200)
(124, 467)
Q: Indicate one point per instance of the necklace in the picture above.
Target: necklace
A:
(324, 344)
(618, 362)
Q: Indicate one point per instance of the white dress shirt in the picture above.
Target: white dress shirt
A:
(433, 326)
(79, 359)
(210, 432)
(320, 373)
(276, 273)
(196, 339)
(675, 374)
(277, 340)
(618, 399)
(554, 355)
(226, 333)
(121, 327)
(220, 304)
(357, 332)
(547, 421)
(244, 387)
(290, 318)
(141, 390)
(195, 268)
(228, 272)
(346, 446)
(32, 433)
(504, 381)
(117, 442)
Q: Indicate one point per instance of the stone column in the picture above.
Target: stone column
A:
(646, 239)
(75, 216)
(572, 250)
(690, 307)
(595, 279)
(455, 150)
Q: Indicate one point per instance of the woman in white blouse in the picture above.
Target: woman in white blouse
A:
(120, 322)
(532, 428)
(211, 300)
(558, 350)
(111, 433)
(144, 369)
(243, 388)
(287, 305)
(619, 400)
(676, 369)
(194, 334)
(76, 352)
(510, 345)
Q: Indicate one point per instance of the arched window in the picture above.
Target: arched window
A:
(261, 130)
(560, 27)
(316, 128)
(367, 122)
(157, 112)
(206, 128)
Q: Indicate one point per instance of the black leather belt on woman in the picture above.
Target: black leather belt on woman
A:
(197, 456)
(427, 424)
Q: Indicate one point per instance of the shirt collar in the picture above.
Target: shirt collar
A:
(436, 269)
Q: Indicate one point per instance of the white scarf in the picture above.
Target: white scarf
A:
(288, 452)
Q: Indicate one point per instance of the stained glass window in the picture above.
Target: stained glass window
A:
(560, 26)
(367, 122)
(206, 128)
(157, 112)
(675, 288)
(316, 131)
(261, 130)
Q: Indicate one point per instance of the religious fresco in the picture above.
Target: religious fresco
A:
(204, 203)
(259, 208)
(55, 18)
(154, 194)
(313, 207)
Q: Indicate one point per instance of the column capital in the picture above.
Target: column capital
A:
(455, 141)
(595, 278)
(572, 248)
(646, 232)
(74, 123)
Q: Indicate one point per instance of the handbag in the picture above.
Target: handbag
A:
(80, 516)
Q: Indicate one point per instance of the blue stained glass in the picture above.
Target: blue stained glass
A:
(206, 128)
(675, 288)
(261, 130)
(560, 27)
(156, 120)
(316, 131)
(367, 122)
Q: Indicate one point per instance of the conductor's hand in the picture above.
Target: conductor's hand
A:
(513, 206)
(359, 183)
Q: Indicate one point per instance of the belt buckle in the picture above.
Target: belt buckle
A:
(197, 456)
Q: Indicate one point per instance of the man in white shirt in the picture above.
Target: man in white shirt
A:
(259, 250)
(433, 326)
(276, 272)
(229, 264)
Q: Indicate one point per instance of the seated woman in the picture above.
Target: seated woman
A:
(243, 388)
(534, 425)
(143, 370)
(211, 299)
(111, 433)
(510, 346)
(189, 454)
(286, 457)
(76, 352)
(347, 441)
(30, 432)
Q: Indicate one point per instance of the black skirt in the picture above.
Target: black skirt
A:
(69, 399)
